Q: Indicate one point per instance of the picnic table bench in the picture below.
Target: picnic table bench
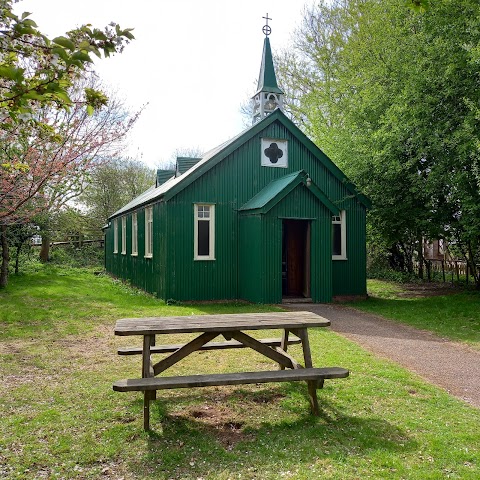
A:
(231, 327)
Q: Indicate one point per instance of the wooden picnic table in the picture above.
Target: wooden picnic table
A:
(232, 327)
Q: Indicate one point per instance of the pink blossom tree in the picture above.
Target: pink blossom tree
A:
(53, 126)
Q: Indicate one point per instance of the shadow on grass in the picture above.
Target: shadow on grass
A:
(187, 444)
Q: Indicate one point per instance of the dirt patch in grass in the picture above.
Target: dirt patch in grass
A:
(227, 425)
(100, 343)
(25, 372)
(43, 361)
(420, 290)
(219, 421)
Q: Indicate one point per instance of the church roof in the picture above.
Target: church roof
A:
(186, 163)
(267, 81)
(274, 188)
(176, 184)
(164, 175)
(279, 188)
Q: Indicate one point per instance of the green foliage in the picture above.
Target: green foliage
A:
(391, 275)
(87, 255)
(47, 142)
(112, 185)
(36, 70)
(392, 96)
(419, 6)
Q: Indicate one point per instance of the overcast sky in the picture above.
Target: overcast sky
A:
(193, 62)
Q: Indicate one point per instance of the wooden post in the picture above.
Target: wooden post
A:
(284, 345)
(147, 371)
(312, 385)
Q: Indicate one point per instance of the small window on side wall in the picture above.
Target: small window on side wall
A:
(204, 232)
(149, 232)
(124, 235)
(339, 237)
(134, 234)
(115, 236)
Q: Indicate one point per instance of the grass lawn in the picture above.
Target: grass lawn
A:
(450, 313)
(61, 419)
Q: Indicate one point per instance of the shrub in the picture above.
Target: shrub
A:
(88, 255)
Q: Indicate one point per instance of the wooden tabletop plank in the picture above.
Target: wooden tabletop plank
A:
(218, 323)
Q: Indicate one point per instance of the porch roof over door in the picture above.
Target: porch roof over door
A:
(278, 189)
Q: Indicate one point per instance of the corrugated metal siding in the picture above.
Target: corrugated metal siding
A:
(163, 176)
(185, 163)
(349, 276)
(146, 273)
(251, 258)
(174, 273)
(321, 268)
(190, 279)
(108, 233)
(271, 274)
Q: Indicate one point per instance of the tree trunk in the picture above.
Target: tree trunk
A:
(45, 249)
(421, 259)
(17, 258)
(428, 266)
(5, 257)
(470, 258)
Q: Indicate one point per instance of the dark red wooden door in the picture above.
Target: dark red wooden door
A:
(297, 257)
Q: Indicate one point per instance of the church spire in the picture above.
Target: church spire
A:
(269, 96)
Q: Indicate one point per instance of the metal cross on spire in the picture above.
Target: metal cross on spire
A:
(266, 29)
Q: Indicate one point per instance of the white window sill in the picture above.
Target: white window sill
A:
(124, 253)
(134, 254)
(115, 253)
(339, 257)
(204, 258)
(148, 256)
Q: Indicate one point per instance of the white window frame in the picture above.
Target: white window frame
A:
(149, 232)
(341, 220)
(211, 220)
(115, 235)
(124, 235)
(134, 235)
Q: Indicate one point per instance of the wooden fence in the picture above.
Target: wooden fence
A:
(76, 240)
(448, 269)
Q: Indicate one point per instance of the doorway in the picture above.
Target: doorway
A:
(296, 258)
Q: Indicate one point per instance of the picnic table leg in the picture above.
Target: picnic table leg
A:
(311, 384)
(147, 371)
(284, 345)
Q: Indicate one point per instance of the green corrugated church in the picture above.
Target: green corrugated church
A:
(264, 217)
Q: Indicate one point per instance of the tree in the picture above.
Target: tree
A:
(113, 184)
(35, 70)
(391, 95)
(58, 164)
(37, 76)
(46, 166)
(18, 236)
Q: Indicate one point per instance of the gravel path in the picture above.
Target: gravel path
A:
(451, 365)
